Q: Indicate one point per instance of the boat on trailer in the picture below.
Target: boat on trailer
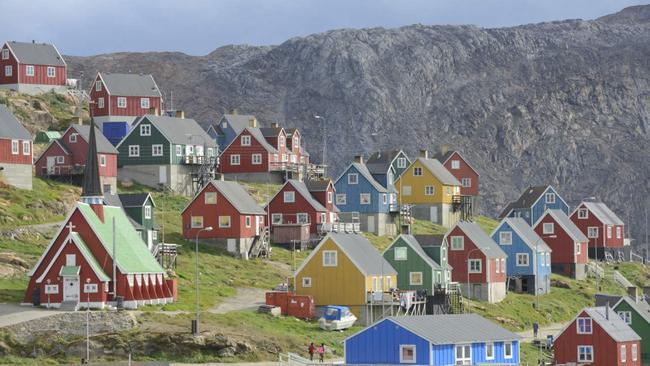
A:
(336, 318)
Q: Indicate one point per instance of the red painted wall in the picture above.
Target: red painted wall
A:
(465, 171)
(322, 197)
(592, 220)
(245, 153)
(110, 103)
(458, 260)
(40, 75)
(13, 79)
(94, 97)
(289, 210)
(211, 215)
(606, 349)
(52, 150)
(561, 243)
(7, 157)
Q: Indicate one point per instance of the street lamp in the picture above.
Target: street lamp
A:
(322, 120)
(87, 320)
(196, 321)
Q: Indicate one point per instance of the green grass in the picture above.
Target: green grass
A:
(262, 192)
(530, 354)
(637, 273)
(486, 223)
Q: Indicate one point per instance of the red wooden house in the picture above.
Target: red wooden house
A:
(598, 337)
(65, 158)
(473, 253)
(32, 68)
(121, 98)
(468, 177)
(237, 221)
(605, 231)
(86, 265)
(323, 191)
(15, 151)
(568, 243)
(294, 204)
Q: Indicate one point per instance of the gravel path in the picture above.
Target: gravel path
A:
(11, 314)
(245, 299)
(551, 329)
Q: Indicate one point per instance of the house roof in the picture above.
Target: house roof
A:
(92, 261)
(613, 325)
(238, 197)
(134, 199)
(302, 189)
(443, 157)
(317, 185)
(363, 170)
(182, 131)
(130, 85)
(103, 145)
(641, 307)
(506, 210)
(454, 328)
(603, 213)
(430, 240)
(439, 171)
(36, 53)
(411, 241)
(526, 200)
(270, 131)
(565, 222)
(51, 134)
(239, 121)
(259, 136)
(482, 241)
(526, 233)
(10, 127)
(379, 162)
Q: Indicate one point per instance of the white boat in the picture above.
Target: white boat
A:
(336, 318)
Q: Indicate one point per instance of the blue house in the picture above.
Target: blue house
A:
(529, 267)
(451, 339)
(533, 203)
(362, 199)
(229, 127)
(385, 166)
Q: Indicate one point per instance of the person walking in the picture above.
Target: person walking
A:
(311, 349)
(321, 352)
(535, 329)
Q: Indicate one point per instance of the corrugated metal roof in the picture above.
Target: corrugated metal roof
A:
(36, 53)
(603, 213)
(10, 126)
(565, 222)
(130, 85)
(363, 254)
(614, 325)
(103, 145)
(439, 171)
(527, 234)
(363, 170)
(238, 197)
(455, 328)
(183, 131)
(489, 248)
(417, 248)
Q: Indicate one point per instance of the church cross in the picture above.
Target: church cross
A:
(70, 227)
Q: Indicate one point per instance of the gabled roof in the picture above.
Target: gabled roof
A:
(412, 242)
(506, 210)
(439, 171)
(130, 85)
(602, 212)
(482, 241)
(238, 197)
(103, 145)
(74, 238)
(301, 188)
(526, 233)
(359, 250)
(135, 199)
(51, 134)
(434, 240)
(10, 127)
(363, 170)
(527, 199)
(239, 121)
(612, 324)
(443, 157)
(270, 131)
(452, 328)
(641, 307)
(380, 161)
(36, 53)
(320, 185)
(259, 136)
(181, 131)
(567, 225)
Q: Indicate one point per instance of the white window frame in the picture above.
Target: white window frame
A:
(245, 140)
(609, 232)
(102, 160)
(507, 355)
(341, 199)
(60, 159)
(145, 103)
(401, 163)
(9, 70)
(472, 262)
(548, 259)
(623, 353)
(402, 347)
(619, 232)
(5, 54)
(521, 258)
(256, 159)
(548, 228)
(235, 159)
(134, 151)
(503, 265)
(365, 198)
(179, 150)
(491, 347)
(91, 288)
(502, 237)
(453, 243)
(145, 129)
(429, 190)
(455, 164)
(306, 282)
(248, 221)
(592, 232)
(73, 138)
(100, 102)
(549, 198)
(578, 248)
(330, 196)
(276, 218)
(289, 197)
(635, 352)
(583, 213)
(15, 147)
(416, 283)
(302, 218)
(157, 150)
(224, 225)
(70, 259)
(26, 148)
(466, 182)
(29, 70)
(147, 212)
(417, 171)
(466, 359)
(121, 102)
(210, 198)
(626, 316)
(51, 289)
(355, 180)
(584, 321)
(400, 253)
(194, 222)
(590, 353)
(330, 258)
(51, 72)
(98, 85)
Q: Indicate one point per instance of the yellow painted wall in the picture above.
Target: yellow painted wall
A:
(387, 284)
(442, 193)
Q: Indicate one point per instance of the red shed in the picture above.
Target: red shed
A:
(15, 151)
(237, 221)
(32, 68)
(598, 337)
(568, 243)
(472, 252)
(602, 227)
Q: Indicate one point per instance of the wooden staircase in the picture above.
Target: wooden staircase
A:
(454, 300)
(261, 247)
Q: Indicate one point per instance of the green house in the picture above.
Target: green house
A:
(635, 311)
(166, 152)
(139, 207)
(416, 270)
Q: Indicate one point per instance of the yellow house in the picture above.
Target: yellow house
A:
(431, 189)
(342, 270)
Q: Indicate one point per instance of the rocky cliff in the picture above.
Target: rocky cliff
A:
(565, 103)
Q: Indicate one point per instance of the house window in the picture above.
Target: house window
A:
(306, 282)
(401, 253)
(100, 103)
(429, 190)
(5, 54)
(234, 159)
(578, 248)
(592, 232)
(154, 234)
(457, 242)
(384, 198)
(619, 232)
(415, 278)
(224, 221)
(197, 222)
(463, 355)
(583, 213)
(353, 178)
(282, 140)
(156, 150)
(303, 218)
(626, 316)
(609, 232)
(364, 198)
(98, 85)
(276, 219)
(489, 351)
(90, 288)
(248, 221)
(341, 199)
(548, 259)
(289, 197)
(407, 353)
(60, 160)
(147, 212)
(585, 353)
(322, 217)
(583, 325)
(329, 258)
(210, 198)
(443, 250)
(189, 150)
(246, 140)
(26, 148)
(548, 228)
(145, 130)
(70, 260)
(179, 150)
(29, 70)
(102, 160)
(542, 259)
(256, 159)
(455, 164)
(329, 196)
(466, 182)
(51, 72)
(550, 198)
(505, 238)
(635, 352)
(623, 353)
(9, 70)
(134, 150)
(507, 350)
(73, 138)
(401, 162)
(503, 265)
(144, 103)
(497, 269)
(15, 147)
(475, 266)
(417, 171)
(522, 259)
(51, 289)
(121, 102)
(406, 190)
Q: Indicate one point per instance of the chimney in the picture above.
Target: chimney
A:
(253, 122)
(358, 159)
(153, 111)
(234, 111)
(443, 149)
(274, 125)
(180, 114)
(424, 154)
(633, 292)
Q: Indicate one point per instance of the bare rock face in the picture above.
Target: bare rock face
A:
(565, 103)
